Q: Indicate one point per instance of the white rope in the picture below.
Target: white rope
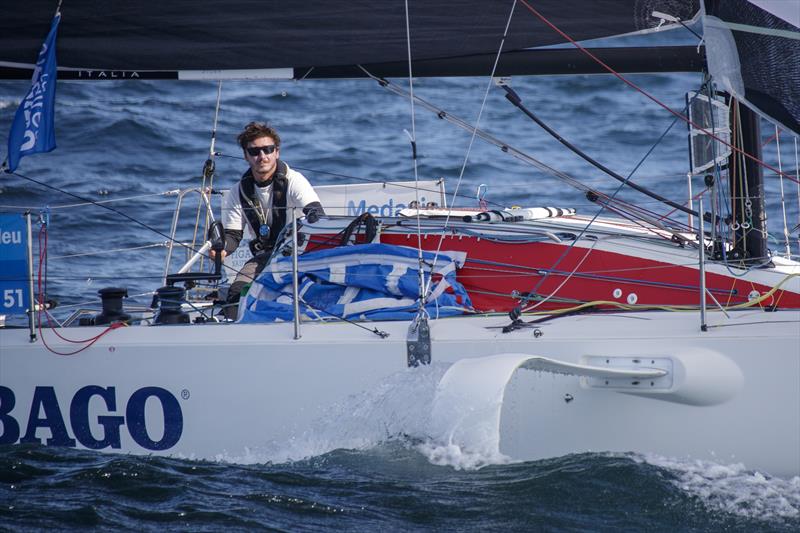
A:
(475, 131)
(783, 197)
(413, 138)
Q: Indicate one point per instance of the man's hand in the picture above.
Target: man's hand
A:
(213, 254)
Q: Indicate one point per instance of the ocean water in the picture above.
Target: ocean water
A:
(367, 466)
(127, 143)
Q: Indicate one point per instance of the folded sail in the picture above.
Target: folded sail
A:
(365, 281)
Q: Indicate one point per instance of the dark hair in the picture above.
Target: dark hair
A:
(256, 130)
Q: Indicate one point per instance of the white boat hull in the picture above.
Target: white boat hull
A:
(731, 394)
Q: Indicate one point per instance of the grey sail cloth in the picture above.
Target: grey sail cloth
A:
(758, 63)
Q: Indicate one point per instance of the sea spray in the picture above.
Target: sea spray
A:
(732, 488)
(465, 416)
(396, 408)
(409, 406)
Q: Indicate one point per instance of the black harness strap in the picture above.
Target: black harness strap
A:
(257, 217)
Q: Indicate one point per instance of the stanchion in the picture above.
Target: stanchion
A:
(295, 289)
(702, 236)
(32, 302)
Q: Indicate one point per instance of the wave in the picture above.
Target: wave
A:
(732, 488)
(393, 485)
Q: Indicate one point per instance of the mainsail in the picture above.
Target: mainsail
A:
(180, 35)
(753, 46)
(754, 54)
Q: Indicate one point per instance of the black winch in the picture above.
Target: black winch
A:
(170, 299)
(112, 306)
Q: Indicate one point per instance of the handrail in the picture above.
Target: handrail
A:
(174, 228)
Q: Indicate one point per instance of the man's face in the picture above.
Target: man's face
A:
(262, 163)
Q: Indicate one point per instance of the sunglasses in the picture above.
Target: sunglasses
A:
(255, 150)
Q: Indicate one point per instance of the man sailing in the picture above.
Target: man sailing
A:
(265, 192)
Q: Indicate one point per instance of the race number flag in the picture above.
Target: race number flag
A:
(32, 130)
(14, 298)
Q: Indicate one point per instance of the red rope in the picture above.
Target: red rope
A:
(91, 340)
(651, 97)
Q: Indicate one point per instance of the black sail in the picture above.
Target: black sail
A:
(177, 35)
(143, 38)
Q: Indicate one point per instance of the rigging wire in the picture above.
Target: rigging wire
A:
(723, 188)
(441, 114)
(516, 312)
(366, 180)
(797, 173)
(639, 217)
(98, 204)
(564, 282)
(783, 196)
(413, 138)
(649, 96)
(504, 147)
(114, 251)
(83, 204)
(514, 98)
(766, 297)
(208, 173)
(463, 124)
(475, 130)
(140, 223)
(521, 155)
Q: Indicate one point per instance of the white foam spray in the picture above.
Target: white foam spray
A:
(396, 408)
(734, 489)
(405, 406)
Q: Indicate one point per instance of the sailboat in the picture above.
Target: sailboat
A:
(678, 340)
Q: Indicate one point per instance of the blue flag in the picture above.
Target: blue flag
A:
(32, 130)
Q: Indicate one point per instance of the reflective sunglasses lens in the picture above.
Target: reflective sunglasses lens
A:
(254, 151)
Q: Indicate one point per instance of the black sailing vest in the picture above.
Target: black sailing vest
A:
(249, 199)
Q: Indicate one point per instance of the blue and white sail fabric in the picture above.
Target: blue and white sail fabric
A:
(33, 129)
(365, 281)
